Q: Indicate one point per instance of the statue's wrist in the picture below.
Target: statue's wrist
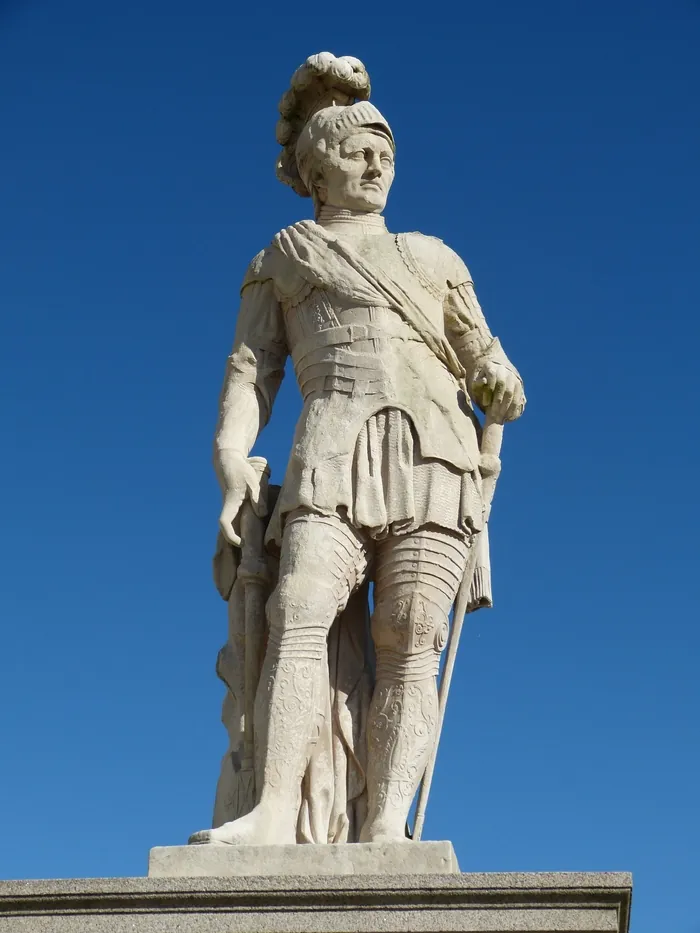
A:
(494, 355)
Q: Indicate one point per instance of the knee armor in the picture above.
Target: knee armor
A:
(409, 632)
(416, 580)
(300, 617)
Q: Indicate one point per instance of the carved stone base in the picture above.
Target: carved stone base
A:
(469, 903)
(367, 858)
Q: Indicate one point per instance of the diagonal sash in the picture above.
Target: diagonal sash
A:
(327, 262)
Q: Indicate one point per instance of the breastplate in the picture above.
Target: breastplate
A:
(336, 347)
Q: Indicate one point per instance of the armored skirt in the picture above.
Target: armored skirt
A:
(384, 486)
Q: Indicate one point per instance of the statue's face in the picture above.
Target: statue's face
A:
(357, 174)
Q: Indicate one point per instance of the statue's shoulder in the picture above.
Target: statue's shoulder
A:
(263, 267)
(272, 264)
(434, 258)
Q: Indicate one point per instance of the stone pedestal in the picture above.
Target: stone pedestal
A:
(368, 858)
(424, 903)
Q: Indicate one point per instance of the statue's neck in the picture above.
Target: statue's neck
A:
(359, 223)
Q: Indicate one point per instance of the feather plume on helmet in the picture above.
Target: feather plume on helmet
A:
(328, 100)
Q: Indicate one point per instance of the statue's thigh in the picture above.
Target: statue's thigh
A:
(416, 579)
(323, 560)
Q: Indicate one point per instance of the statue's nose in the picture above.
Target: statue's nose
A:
(374, 167)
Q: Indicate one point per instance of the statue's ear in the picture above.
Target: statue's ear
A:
(318, 185)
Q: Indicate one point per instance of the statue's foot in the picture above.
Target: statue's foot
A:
(255, 828)
(384, 830)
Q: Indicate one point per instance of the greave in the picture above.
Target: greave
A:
(402, 724)
(288, 701)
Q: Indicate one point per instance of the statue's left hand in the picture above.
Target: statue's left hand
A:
(498, 391)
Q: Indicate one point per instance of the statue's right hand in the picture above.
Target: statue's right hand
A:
(239, 481)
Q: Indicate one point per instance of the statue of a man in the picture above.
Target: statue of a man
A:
(390, 348)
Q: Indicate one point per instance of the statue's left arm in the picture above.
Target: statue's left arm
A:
(492, 380)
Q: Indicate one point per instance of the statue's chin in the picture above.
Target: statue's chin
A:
(369, 200)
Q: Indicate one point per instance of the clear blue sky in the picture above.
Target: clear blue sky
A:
(554, 145)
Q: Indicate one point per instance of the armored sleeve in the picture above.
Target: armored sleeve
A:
(465, 324)
(255, 367)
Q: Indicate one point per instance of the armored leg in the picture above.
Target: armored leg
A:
(416, 581)
(323, 559)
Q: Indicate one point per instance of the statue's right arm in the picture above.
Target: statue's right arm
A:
(254, 371)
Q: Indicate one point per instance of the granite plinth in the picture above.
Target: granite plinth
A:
(469, 903)
(369, 858)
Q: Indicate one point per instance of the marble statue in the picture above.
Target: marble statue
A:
(332, 711)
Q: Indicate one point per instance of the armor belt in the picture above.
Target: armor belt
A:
(326, 360)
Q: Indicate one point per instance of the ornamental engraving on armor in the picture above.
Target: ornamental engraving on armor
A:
(333, 708)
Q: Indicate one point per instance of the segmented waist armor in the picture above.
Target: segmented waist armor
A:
(353, 350)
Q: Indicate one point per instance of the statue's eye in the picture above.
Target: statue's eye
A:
(387, 160)
(358, 155)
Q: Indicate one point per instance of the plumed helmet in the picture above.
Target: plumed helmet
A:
(328, 100)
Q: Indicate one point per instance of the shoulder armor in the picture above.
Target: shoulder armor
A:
(261, 268)
(441, 261)
(271, 265)
(431, 258)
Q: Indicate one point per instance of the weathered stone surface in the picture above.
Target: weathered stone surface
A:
(470, 903)
(389, 483)
(371, 858)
